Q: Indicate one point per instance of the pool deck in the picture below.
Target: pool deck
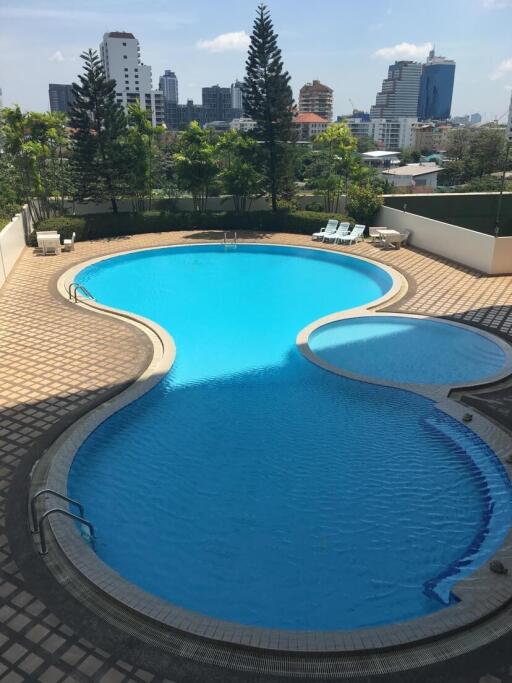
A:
(59, 360)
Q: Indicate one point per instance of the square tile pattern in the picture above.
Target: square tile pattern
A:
(56, 359)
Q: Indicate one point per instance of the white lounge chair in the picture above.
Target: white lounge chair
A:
(329, 229)
(69, 244)
(343, 229)
(353, 237)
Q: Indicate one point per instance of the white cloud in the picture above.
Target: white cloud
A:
(496, 4)
(504, 68)
(57, 57)
(237, 40)
(404, 51)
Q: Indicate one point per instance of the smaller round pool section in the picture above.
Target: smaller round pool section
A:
(409, 350)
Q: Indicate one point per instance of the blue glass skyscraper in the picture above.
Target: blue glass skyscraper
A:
(436, 88)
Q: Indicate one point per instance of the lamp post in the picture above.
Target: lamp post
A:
(504, 174)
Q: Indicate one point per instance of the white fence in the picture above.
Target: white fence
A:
(486, 253)
(12, 242)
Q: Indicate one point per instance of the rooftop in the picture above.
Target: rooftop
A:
(308, 117)
(120, 34)
(413, 169)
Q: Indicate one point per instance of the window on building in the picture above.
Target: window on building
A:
(124, 44)
(125, 56)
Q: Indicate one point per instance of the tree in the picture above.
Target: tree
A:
(362, 202)
(36, 148)
(486, 151)
(268, 100)
(141, 151)
(336, 159)
(239, 174)
(99, 124)
(195, 164)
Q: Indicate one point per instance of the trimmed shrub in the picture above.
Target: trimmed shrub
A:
(106, 225)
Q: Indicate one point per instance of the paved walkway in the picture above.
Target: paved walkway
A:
(57, 360)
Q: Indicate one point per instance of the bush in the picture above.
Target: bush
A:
(362, 202)
(105, 225)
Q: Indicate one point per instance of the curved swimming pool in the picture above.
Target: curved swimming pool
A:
(251, 485)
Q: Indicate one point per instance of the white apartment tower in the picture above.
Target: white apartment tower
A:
(236, 95)
(120, 54)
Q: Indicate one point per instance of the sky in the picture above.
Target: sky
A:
(346, 45)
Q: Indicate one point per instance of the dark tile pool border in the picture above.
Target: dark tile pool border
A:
(482, 594)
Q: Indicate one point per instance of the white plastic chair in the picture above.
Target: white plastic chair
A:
(343, 229)
(69, 244)
(354, 236)
(329, 229)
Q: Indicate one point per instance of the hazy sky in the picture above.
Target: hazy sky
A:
(345, 44)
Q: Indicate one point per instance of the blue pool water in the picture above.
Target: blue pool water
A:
(253, 486)
(410, 350)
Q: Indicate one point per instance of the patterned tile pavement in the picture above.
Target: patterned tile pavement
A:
(57, 360)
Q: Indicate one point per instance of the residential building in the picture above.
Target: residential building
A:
(237, 99)
(168, 85)
(218, 101)
(392, 133)
(460, 120)
(308, 125)
(61, 97)
(436, 88)
(120, 54)
(316, 98)
(398, 97)
(419, 178)
(244, 124)
(441, 137)
(358, 122)
(218, 126)
(192, 112)
(422, 136)
(381, 158)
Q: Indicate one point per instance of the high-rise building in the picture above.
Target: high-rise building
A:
(192, 112)
(393, 133)
(475, 119)
(61, 97)
(236, 95)
(168, 84)
(120, 54)
(218, 101)
(316, 98)
(358, 122)
(399, 95)
(436, 88)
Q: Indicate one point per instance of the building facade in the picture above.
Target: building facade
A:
(398, 97)
(316, 98)
(219, 104)
(422, 136)
(308, 125)
(244, 124)
(358, 123)
(237, 98)
(190, 111)
(420, 178)
(168, 86)
(120, 54)
(436, 88)
(61, 97)
(394, 133)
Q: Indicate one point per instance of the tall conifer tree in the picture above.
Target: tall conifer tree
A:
(268, 99)
(99, 124)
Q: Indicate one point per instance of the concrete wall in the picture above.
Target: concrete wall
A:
(470, 248)
(12, 243)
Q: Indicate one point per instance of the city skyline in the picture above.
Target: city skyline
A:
(204, 46)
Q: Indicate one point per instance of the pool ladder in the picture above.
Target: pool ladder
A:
(233, 242)
(37, 524)
(76, 287)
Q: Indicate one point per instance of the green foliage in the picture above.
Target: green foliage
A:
(362, 202)
(238, 153)
(95, 226)
(35, 148)
(334, 162)
(195, 163)
(99, 124)
(473, 154)
(268, 100)
(365, 144)
(410, 156)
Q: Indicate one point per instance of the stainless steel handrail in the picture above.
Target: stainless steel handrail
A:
(78, 287)
(33, 513)
(66, 513)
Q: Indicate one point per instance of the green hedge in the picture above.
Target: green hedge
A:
(103, 225)
(476, 212)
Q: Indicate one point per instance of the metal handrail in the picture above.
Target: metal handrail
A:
(226, 239)
(78, 287)
(66, 513)
(33, 513)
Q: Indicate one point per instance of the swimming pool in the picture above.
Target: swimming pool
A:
(251, 485)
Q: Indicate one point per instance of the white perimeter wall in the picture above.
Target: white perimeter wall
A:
(12, 243)
(470, 248)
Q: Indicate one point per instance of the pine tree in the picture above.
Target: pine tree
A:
(98, 124)
(268, 98)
